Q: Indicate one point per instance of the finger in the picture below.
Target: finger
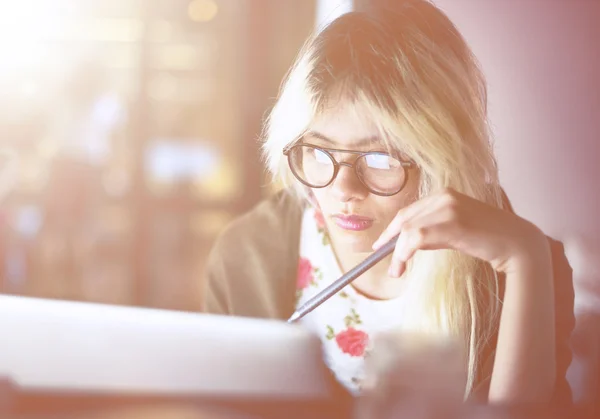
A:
(406, 246)
(430, 232)
(421, 207)
(425, 206)
(392, 230)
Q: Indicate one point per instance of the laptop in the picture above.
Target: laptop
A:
(65, 349)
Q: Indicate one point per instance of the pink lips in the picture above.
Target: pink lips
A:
(352, 222)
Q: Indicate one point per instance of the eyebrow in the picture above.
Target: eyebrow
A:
(359, 143)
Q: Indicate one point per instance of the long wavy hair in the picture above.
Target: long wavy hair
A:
(419, 82)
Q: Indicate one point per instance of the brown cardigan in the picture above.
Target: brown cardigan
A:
(251, 272)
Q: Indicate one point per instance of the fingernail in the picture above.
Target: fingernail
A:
(377, 244)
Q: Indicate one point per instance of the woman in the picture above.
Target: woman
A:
(380, 129)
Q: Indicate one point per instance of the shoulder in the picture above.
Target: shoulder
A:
(248, 265)
(269, 224)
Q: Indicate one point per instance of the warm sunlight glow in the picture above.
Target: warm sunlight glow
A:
(202, 10)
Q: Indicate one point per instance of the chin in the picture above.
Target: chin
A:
(357, 242)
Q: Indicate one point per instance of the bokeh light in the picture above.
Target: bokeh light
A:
(202, 10)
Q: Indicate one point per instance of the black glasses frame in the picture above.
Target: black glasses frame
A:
(336, 165)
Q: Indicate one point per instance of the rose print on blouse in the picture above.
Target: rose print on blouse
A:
(351, 341)
(307, 276)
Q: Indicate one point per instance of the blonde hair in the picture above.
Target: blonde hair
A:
(417, 79)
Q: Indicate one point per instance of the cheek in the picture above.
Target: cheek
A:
(388, 207)
(319, 197)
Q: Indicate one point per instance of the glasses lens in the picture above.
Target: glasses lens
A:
(381, 173)
(311, 165)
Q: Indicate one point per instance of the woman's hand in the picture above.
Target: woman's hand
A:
(511, 245)
(451, 220)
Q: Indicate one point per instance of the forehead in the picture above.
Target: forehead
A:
(344, 125)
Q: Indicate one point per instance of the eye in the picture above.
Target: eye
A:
(381, 161)
(321, 156)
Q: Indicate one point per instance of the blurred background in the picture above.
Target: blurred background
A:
(128, 136)
(128, 131)
(135, 125)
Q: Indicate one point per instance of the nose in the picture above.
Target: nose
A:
(346, 186)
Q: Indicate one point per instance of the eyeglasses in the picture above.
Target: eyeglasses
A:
(316, 167)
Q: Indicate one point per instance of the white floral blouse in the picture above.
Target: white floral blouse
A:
(347, 320)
